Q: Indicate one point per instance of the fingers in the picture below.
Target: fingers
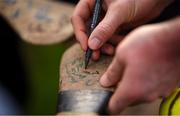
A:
(116, 15)
(130, 91)
(115, 39)
(106, 28)
(135, 87)
(126, 95)
(119, 100)
(80, 32)
(139, 83)
(79, 20)
(96, 55)
(108, 49)
(113, 73)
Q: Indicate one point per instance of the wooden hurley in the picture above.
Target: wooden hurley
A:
(39, 21)
(79, 89)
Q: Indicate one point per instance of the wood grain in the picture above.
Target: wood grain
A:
(75, 77)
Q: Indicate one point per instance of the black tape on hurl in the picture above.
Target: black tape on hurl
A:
(84, 101)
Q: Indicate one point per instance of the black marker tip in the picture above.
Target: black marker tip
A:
(86, 63)
(88, 57)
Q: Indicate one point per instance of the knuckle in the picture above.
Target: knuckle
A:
(115, 5)
(128, 7)
(105, 30)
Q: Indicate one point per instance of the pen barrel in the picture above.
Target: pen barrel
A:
(88, 54)
(95, 20)
(96, 15)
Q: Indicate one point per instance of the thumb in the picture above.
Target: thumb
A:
(105, 29)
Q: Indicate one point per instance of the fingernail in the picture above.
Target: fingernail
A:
(104, 81)
(94, 43)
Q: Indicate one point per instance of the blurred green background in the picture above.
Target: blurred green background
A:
(42, 69)
(30, 73)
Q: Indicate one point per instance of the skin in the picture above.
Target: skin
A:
(146, 65)
(147, 61)
(118, 15)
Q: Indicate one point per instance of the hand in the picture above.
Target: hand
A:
(146, 65)
(117, 15)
